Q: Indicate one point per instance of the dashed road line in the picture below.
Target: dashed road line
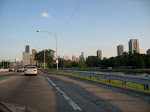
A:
(3, 81)
(72, 103)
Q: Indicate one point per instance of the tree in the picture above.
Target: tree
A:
(49, 57)
(63, 63)
(74, 64)
(93, 61)
(81, 63)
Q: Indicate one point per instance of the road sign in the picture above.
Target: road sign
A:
(44, 64)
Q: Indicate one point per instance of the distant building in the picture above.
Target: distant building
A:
(33, 62)
(16, 60)
(82, 55)
(65, 57)
(120, 50)
(148, 52)
(134, 45)
(58, 56)
(104, 58)
(140, 51)
(99, 54)
(73, 58)
(77, 59)
(27, 49)
(26, 58)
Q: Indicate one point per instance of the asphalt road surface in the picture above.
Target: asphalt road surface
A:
(59, 93)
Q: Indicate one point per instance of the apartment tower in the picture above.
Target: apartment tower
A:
(73, 58)
(134, 45)
(120, 50)
(99, 54)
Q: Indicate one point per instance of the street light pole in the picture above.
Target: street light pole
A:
(54, 35)
(56, 52)
(3, 64)
(44, 59)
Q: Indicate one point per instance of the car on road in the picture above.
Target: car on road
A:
(30, 70)
(11, 69)
(20, 69)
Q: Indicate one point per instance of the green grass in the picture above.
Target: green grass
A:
(115, 82)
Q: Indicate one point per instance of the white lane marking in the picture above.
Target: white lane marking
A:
(3, 81)
(53, 84)
(72, 103)
(48, 79)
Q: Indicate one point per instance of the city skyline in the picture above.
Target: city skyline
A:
(88, 30)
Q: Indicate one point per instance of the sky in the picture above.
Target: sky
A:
(81, 26)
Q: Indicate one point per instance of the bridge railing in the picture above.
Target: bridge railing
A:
(112, 76)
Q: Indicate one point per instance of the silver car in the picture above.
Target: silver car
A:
(30, 70)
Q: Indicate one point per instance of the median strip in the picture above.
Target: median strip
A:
(72, 103)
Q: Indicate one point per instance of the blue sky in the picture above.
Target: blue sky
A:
(97, 24)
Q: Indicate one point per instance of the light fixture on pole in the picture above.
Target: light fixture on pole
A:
(54, 35)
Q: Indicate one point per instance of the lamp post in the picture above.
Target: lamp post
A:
(44, 59)
(54, 35)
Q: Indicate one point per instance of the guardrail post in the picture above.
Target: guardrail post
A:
(108, 81)
(123, 83)
(146, 87)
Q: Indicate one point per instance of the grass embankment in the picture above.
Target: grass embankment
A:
(115, 82)
(112, 70)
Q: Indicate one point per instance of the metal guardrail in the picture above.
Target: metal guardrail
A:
(120, 77)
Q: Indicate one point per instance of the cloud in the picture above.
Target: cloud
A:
(44, 14)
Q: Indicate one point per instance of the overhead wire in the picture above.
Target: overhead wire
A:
(73, 14)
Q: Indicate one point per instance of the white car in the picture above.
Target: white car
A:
(30, 70)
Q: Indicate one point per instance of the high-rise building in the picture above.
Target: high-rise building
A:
(26, 58)
(65, 57)
(99, 54)
(73, 58)
(148, 52)
(16, 60)
(120, 50)
(27, 49)
(77, 59)
(82, 55)
(140, 51)
(134, 45)
(58, 56)
(33, 62)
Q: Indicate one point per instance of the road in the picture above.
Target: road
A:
(58, 93)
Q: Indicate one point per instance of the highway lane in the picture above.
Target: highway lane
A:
(57, 93)
(31, 91)
(97, 97)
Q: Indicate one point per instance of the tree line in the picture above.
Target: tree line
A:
(127, 60)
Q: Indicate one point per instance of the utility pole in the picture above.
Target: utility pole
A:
(44, 59)
(3, 64)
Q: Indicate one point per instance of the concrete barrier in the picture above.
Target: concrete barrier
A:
(2, 70)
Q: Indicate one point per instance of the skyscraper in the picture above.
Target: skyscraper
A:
(73, 58)
(65, 57)
(27, 49)
(82, 55)
(120, 50)
(26, 58)
(140, 51)
(77, 59)
(134, 45)
(148, 52)
(33, 56)
(99, 54)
